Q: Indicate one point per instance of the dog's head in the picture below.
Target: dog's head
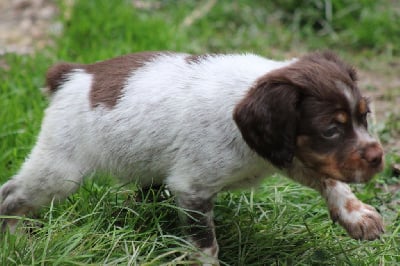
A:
(311, 109)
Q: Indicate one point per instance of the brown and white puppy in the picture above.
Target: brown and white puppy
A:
(200, 125)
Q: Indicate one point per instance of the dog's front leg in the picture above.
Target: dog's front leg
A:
(198, 219)
(360, 220)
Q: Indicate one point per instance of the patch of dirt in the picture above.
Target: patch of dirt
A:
(27, 25)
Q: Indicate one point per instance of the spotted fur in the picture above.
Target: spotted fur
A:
(200, 125)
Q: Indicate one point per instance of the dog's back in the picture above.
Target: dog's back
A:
(171, 113)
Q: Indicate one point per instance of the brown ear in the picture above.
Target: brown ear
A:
(267, 118)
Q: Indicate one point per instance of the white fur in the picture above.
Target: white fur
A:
(347, 93)
(173, 124)
(362, 222)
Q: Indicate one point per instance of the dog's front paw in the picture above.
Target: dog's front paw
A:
(360, 220)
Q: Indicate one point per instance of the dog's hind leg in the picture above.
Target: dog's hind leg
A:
(44, 176)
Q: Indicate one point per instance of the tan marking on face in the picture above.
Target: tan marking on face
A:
(363, 106)
(321, 163)
(301, 141)
(308, 157)
(109, 76)
(353, 162)
(352, 168)
(329, 167)
(352, 205)
(341, 117)
(355, 168)
(353, 159)
(325, 164)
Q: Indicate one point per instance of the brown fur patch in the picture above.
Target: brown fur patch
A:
(266, 118)
(56, 75)
(352, 205)
(325, 164)
(110, 76)
(330, 168)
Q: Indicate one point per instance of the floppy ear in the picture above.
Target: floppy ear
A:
(267, 119)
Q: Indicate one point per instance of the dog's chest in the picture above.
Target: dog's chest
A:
(250, 175)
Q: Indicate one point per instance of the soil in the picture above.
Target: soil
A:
(27, 25)
(382, 85)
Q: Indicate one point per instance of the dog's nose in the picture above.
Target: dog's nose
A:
(373, 155)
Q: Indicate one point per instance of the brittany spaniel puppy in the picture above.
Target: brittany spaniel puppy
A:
(201, 125)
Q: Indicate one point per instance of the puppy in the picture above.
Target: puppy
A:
(201, 125)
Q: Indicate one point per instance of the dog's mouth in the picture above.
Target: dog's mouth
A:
(353, 169)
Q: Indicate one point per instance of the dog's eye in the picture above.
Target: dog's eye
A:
(331, 133)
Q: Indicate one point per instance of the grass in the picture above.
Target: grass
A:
(281, 223)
